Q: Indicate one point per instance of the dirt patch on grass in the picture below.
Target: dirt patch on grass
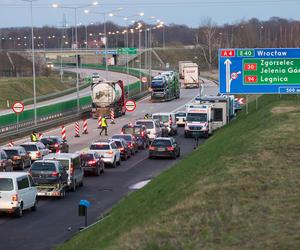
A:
(283, 109)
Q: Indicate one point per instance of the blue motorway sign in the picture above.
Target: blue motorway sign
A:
(259, 71)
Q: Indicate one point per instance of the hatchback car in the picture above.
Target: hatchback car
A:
(152, 126)
(130, 140)
(109, 150)
(48, 172)
(91, 161)
(17, 193)
(139, 132)
(164, 147)
(5, 162)
(71, 163)
(55, 144)
(19, 157)
(36, 150)
(180, 118)
(123, 148)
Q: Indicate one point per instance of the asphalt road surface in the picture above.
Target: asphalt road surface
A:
(57, 220)
(110, 75)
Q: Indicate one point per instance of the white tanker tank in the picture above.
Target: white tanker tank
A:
(106, 96)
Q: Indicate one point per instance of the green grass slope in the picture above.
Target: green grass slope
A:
(239, 190)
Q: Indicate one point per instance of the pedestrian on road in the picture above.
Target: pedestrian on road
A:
(103, 125)
(34, 136)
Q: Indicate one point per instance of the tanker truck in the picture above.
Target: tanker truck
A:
(108, 96)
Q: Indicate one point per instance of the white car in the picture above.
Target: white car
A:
(108, 150)
(36, 150)
(17, 193)
(180, 118)
(152, 126)
(168, 120)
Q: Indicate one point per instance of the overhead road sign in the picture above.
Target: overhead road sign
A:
(124, 51)
(18, 107)
(130, 105)
(259, 71)
(108, 52)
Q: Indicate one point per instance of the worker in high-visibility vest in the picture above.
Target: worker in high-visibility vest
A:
(103, 125)
(34, 137)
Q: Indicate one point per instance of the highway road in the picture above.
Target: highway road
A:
(57, 220)
(113, 76)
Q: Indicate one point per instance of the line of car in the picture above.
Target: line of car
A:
(53, 170)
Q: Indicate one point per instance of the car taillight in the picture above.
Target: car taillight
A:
(38, 154)
(121, 149)
(170, 148)
(143, 133)
(151, 148)
(14, 197)
(110, 152)
(92, 162)
(56, 145)
(130, 145)
(71, 169)
(54, 174)
(16, 158)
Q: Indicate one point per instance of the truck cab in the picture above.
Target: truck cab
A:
(198, 120)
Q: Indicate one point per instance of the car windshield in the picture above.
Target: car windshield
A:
(125, 137)
(11, 152)
(161, 143)
(6, 184)
(29, 147)
(181, 114)
(148, 124)
(132, 130)
(196, 117)
(119, 144)
(87, 157)
(49, 141)
(43, 166)
(161, 118)
(99, 147)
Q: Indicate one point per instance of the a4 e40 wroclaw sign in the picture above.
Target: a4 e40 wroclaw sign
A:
(259, 71)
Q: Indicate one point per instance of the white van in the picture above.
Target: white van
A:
(168, 120)
(152, 126)
(17, 193)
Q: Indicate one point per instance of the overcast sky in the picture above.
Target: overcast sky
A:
(190, 12)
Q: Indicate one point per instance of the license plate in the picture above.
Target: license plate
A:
(160, 149)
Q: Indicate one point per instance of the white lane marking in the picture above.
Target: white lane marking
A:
(139, 185)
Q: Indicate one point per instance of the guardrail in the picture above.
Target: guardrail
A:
(53, 113)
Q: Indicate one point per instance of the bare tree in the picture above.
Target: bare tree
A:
(208, 41)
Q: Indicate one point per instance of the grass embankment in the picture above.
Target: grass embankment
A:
(21, 88)
(239, 190)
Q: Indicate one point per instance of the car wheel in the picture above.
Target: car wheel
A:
(19, 211)
(34, 207)
(73, 188)
(81, 183)
(178, 155)
(114, 164)
(125, 157)
(97, 171)
(102, 169)
(62, 193)
(119, 162)
(132, 152)
(174, 156)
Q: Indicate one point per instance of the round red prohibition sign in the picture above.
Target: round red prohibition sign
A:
(130, 105)
(18, 107)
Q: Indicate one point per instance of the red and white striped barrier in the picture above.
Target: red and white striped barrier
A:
(63, 132)
(10, 144)
(85, 126)
(112, 116)
(40, 136)
(99, 121)
(77, 129)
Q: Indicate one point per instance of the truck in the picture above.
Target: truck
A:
(198, 120)
(165, 87)
(108, 96)
(222, 109)
(190, 75)
(181, 65)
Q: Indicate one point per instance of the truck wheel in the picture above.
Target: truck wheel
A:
(62, 193)
(19, 211)
(34, 207)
